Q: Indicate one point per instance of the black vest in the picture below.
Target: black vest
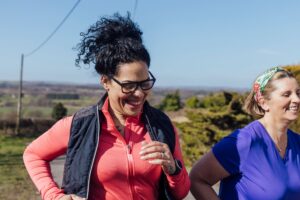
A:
(84, 139)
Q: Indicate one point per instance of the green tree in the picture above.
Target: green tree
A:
(59, 111)
(216, 101)
(171, 102)
(192, 102)
(219, 114)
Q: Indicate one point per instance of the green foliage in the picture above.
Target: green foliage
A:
(295, 69)
(219, 115)
(216, 101)
(192, 102)
(171, 102)
(236, 105)
(59, 111)
(197, 138)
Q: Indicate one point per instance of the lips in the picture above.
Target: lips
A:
(134, 103)
(293, 108)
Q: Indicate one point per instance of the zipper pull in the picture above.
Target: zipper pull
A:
(129, 148)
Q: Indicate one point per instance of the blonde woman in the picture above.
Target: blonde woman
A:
(262, 160)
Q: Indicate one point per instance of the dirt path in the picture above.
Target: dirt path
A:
(57, 168)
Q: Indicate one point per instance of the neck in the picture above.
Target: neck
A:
(277, 131)
(118, 118)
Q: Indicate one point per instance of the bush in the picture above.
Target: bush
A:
(219, 115)
(216, 101)
(59, 111)
(192, 102)
(171, 102)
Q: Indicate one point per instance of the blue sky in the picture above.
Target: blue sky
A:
(191, 43)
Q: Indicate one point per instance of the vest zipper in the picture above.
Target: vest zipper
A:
(95, 152)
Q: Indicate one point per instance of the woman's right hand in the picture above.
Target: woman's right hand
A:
(71, 197)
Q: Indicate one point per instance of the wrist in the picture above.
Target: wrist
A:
(178, 167)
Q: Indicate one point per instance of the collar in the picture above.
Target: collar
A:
(109, 119)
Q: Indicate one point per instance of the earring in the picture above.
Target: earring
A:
(106, 88)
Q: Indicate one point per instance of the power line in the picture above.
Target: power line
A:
(55, 30)
(19, 111)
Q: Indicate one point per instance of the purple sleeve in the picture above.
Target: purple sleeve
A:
(232, 151)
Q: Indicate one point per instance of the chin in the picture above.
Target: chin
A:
(130, 114)
(133, 113)
(292, 119)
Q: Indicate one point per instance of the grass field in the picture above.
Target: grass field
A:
(15, 183)
(39, 106)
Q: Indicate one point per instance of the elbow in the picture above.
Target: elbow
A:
(26, 155)
(29, 156)
(198, 183)
(194, 176)
(194, 180)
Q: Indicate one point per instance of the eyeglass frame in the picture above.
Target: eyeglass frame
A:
(138, 83)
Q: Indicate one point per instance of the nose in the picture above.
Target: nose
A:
(139, 92)
(296, 98)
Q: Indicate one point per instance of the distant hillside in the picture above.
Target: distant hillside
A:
(31, 85)
(44, 88)
(40, 87)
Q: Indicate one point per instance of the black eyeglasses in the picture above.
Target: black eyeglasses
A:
(131, 86)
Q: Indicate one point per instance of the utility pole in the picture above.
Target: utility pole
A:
(19, 111)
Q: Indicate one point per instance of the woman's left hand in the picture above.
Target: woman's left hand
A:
(158, 153)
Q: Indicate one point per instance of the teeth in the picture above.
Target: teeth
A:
(293, 108)
(136, 103)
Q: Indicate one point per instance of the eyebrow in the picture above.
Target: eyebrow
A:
(129, 81)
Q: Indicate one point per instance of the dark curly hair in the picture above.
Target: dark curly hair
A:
(112, 41)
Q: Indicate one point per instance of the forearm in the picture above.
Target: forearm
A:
(180, 184)
(41, 151)
(40, 173)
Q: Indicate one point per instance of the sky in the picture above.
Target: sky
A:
(198, 43)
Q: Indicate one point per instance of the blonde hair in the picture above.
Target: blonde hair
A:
(251, 106)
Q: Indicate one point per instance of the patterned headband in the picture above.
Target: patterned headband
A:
(261, 81)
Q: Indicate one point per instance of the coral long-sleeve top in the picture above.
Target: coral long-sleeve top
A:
(118, 172)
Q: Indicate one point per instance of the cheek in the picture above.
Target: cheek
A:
(147, 92)
(116, 95)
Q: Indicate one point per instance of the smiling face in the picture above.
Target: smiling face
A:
(127, 104)
(283, 102)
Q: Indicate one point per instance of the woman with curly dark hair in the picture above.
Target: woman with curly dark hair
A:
(121, 148)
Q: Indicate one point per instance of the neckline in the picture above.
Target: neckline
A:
(109, 118)
(273, 143)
